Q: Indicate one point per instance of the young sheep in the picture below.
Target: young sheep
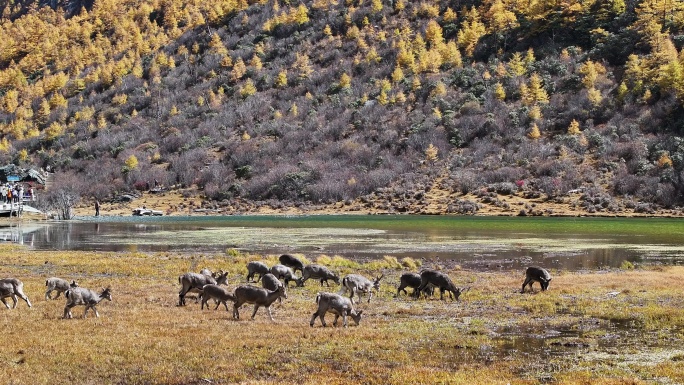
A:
(319, 272)
(284, 272)
(13, 288)
(292, 261)
(59, 285)
(216, 292)
(258, 296)
(358, 284)
(440, 280)
(194, 282)
(336, 304)
(536, 274)
(256, 267)
(271, 283)
(413, 280)
(82, 296)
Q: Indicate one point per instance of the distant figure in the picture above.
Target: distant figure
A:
(97, 208)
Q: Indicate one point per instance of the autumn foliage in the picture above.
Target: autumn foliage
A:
(288, 101)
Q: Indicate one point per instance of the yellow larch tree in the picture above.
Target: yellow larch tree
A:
(471, 31)
(534, 91)
(239, 70)
(216, 45)
(535, 113)
(302, 65)
(281, 79)
(397, 74)
(499, 18)
(574, 128)
(590, 74)
(594, 96)
(449, 15)
(499, 92)
(131, 163)
(534, 132)
(431, 153)
(53, 131)
(433, 34)
(345, 81)
(450, 54)
(10, 101)
(256, 63)
(516, 66)
(248, 89)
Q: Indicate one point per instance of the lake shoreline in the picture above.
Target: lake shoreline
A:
(189, 202)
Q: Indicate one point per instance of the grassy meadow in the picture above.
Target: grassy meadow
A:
(600, 327)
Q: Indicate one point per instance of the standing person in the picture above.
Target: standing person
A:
(97, 208)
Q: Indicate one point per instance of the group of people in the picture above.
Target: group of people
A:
(14, 193)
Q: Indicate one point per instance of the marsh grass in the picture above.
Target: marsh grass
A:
(142, 337)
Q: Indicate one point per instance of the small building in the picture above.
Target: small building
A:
(14, 173)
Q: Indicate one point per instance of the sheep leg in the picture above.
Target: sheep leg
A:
(58, 294)
(14, 299)
(3, 301)
(268, 310)
(527, 280)
(97, 315)
(181, 297)
(370, 295)
(313, 319)
(236, 313)
(256, 307)
(24, 297)
(67, 312)
(322, 317)
(48, 295)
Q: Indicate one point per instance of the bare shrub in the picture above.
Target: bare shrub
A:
(504, 175)
(466, 181)
(463, 206)
(503, 188)
(62, 197)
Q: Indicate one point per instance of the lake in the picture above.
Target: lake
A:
(479, 243)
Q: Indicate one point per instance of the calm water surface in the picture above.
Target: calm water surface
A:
(473, 242)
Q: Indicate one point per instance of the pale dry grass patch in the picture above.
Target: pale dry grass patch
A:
(142, 337)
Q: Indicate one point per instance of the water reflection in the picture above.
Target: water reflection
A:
(476, 249)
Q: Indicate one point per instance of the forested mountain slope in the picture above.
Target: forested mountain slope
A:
(325, 101)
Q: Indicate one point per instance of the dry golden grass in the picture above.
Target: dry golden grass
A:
(142, 337)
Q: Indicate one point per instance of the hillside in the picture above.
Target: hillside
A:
(327, 103)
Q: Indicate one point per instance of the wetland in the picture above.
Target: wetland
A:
(613, 314)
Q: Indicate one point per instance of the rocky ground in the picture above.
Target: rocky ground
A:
(434, 199)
